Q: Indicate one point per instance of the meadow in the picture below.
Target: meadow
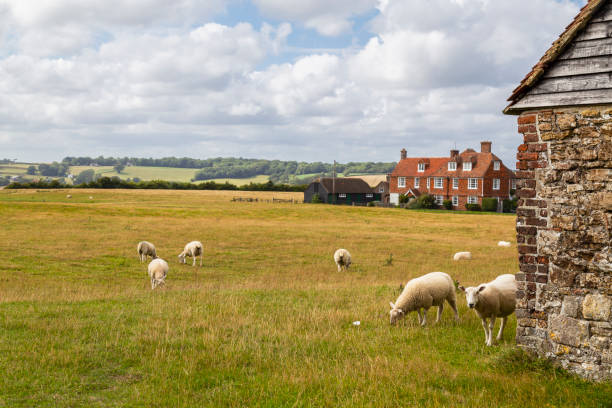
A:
(267, 321)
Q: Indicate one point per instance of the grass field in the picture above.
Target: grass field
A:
(267, 321)
(161, 173)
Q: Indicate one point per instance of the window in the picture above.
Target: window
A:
(439, 199)
(421, 167)
(452, 166)
(369, 195)
(467, 166)
(438, 182)
(495, 184)
(342, 195)
(513, 184)
(455, 183)
(455, 201)
(401, 181)
(496, 165)
(417, 182)
(381, 189)
(428, 182)
(472, 183)
(472, 200)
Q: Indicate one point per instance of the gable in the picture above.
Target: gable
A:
(577, 69)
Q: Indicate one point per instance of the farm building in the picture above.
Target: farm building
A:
(564, 215)
(379, 183)
(351, 191)
(463, 178)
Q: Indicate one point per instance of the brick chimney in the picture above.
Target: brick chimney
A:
(454, 153)
(485, 147)
(403, 155)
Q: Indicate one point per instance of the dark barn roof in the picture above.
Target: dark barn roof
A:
(345, 185)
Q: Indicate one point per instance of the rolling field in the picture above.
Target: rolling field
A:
(267, 321)
(146, 173)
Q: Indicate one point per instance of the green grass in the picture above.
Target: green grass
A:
(267, 321)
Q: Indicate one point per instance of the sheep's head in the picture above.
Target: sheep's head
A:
(471, 295)
(181, 258)
(395, 314)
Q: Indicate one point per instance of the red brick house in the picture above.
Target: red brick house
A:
(463, 178)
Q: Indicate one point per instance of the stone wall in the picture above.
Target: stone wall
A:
(564, 221)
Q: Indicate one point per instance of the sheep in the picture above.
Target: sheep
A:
(68, 196)
(91, 197)
(145, 249)
(504, 244)
(192, 249)
(158, 269)
(462, 255)
(424, 292)
(342, 257)
(491, 300)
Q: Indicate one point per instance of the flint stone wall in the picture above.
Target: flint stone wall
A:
(564, 219)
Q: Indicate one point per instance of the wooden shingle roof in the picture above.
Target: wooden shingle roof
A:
(559, 47)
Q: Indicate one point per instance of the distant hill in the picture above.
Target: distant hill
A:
(220, 168)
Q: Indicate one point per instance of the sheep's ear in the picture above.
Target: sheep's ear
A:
(392, 305)
(480, 289)
(461, 288)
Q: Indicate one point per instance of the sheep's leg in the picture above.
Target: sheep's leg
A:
(152, 283)
(201, 256)
(491, 326)
(339, 268)
(453, 305)
(440, 308)
(419, 315)
(501, 328)
(486, 330)
(424, 316)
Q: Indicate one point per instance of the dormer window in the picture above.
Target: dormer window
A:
(467, 166)
(452, 166)
(421, 167)
(496, 165)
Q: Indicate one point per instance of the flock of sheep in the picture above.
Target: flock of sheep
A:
(489, 300)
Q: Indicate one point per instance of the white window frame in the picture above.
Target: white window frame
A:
(438, 182)
(369, 195)
(496, 184)
(401, 182)
(455, 201)
(342, 195)
(455, 184)
(496, 165)
(417, 182)
(452, 166)
(381, 189)
(467, 166)
(439, 199)
(421, 167)
(428, 181)
(472, 200)
(513, 184)
(472, 184)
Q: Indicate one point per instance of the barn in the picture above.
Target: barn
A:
(350, 191)
(564, 215)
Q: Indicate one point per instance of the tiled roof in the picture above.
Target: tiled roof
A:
(409, 167)
(557, 48)
(345, 185)
(480, 164)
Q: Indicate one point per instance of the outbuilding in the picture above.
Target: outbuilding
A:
(351, 191)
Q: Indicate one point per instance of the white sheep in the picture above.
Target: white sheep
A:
(342, 257)
(192, 249)
(145, 249)
(68, 196)
(491, 300)
(462, 255)
(91, 197)
(504, 244)
(158, 270)
(424, 292)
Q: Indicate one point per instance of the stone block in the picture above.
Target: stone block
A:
(599, 342)
(566, 121)
(568, 331)
(597, 307)
(590, 113)
(571, 306)
(555, 135)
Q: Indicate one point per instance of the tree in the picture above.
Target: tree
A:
(85, 176)
(119, 168)
(31, 170)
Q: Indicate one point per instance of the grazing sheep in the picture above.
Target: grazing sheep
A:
(424, 292)
(491, 300)
(342, 257)
(192, 249)
(68, 196)
(158, 269)
(462, 255)
(145, 249)
(91, 197)
(504, 244)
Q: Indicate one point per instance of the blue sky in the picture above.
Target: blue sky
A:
(350, 80)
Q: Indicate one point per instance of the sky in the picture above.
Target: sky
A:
(316, 80)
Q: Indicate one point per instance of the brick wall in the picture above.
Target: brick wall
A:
(564, 219)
